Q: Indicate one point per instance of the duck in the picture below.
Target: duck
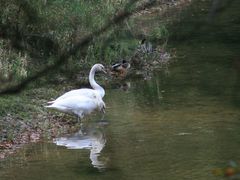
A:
(79, 105)
(145, 46)
(87, 92)
(120, 69)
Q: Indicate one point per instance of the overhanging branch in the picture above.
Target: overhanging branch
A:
(64, 55)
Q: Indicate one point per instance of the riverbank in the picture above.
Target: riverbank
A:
(27, 120)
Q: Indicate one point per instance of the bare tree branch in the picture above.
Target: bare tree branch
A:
(62, 58)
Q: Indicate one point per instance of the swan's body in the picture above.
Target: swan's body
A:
(79, 105)
(87, 92)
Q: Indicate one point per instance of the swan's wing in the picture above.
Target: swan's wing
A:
(76, 103)
(78, 92)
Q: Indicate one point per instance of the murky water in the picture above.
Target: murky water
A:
(179, 125)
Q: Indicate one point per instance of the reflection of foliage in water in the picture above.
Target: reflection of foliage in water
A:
(151, 90)
(212, 65)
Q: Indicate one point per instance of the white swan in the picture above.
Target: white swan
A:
(87, 92)
(79, 105)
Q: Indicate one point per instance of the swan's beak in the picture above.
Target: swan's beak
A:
(104, 70)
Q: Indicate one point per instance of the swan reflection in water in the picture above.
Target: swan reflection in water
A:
(90, 137)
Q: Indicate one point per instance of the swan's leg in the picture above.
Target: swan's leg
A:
(103, 115)
(79, 116)
(103, 110)
(78, 119)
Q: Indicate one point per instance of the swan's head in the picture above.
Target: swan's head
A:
(99, 67)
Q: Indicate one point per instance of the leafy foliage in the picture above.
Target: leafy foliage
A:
(44, 30)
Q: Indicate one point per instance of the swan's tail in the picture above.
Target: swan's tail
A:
(49, 106)
(50, 102)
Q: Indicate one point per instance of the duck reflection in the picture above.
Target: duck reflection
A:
(90, 136)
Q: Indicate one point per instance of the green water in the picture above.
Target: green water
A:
(179, 125)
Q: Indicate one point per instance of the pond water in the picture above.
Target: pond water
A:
(181, 124)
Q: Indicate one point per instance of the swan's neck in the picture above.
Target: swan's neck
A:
(95, 85)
